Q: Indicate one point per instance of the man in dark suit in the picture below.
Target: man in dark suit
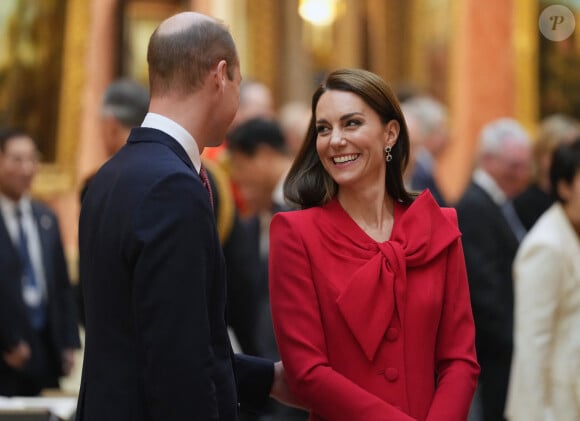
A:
(157, 346)
(124, 106)
(260, 160)
(430, 136)
(491, 236)
(38, 326)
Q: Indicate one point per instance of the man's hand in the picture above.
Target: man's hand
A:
(280, 390)
(68, 361)
(18, 356)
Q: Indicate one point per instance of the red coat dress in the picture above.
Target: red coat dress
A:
(374, 331)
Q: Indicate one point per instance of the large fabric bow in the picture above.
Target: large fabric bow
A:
(378, 288)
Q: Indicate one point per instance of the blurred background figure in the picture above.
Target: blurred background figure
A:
(38, 325)
(259, 161)
(537, 198)
(415, 142)
(294, 118)
(491, 235)
(124, 105)
(430, 133)
(545, 377)
(256, 100)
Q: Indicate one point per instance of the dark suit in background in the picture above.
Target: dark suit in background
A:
(60, 332)
(241, 273)
(490, 247)
(531, 204)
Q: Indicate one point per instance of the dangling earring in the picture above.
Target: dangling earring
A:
(388, 156)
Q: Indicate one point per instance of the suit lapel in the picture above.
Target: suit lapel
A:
(571, 240)
(6, 239)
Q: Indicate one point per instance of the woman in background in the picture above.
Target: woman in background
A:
(369, 294)
(545, 377)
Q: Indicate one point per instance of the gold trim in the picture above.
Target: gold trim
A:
(60, 176)
(525, 45)
(263, 41)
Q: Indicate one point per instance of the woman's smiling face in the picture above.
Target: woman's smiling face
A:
(352, 138)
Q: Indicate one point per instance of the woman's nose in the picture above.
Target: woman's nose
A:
(336, 137)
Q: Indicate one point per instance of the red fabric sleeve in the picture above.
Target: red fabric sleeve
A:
(455, 357)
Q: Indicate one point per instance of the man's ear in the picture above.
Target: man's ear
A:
(221, 74)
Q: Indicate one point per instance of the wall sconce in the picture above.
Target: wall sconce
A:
(318, 12)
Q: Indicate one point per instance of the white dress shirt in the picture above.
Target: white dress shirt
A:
(30, 227)
(176, 131)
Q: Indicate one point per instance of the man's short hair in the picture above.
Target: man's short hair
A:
(181, 60)
(127, 101)
(249, 135)
(8, 133)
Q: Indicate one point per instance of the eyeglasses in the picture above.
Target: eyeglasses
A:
(22, 159)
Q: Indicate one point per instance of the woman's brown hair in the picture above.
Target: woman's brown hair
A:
(308, 184)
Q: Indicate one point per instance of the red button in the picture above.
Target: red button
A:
(392, 334)
(391, 374)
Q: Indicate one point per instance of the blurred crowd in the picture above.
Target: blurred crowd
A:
(519, 217)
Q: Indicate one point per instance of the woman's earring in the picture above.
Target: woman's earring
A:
(388, 156)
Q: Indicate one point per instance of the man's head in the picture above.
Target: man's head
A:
(124, 106)
(505, 153)
(431, 118)
(258, 160)
(415, 130)
(194, 75)
(183, 50)
(255, 102)
(294, 119)
(18, 163)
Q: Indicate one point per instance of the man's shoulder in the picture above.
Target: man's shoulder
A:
(40, 207)
(473, 195)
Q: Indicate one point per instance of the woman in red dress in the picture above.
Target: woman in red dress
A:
(368, 286)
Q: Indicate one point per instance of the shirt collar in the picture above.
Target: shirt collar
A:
(176, 131)
(487, 183)
(9, 206)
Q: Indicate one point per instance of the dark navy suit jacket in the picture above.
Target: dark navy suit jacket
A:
(157, 346)
(62, 329)
(490, 247)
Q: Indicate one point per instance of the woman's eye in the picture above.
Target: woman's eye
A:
(321, 129)
(352, 123)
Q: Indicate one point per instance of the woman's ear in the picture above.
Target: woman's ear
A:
(564, 190)
(392, 130)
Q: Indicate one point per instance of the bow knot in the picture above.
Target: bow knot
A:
(376, 292)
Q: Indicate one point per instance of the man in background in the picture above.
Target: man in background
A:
(38, 325)
(259, 161)
(429, 138)
(491, 235)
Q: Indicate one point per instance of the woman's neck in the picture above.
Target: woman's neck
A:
(372, 211)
